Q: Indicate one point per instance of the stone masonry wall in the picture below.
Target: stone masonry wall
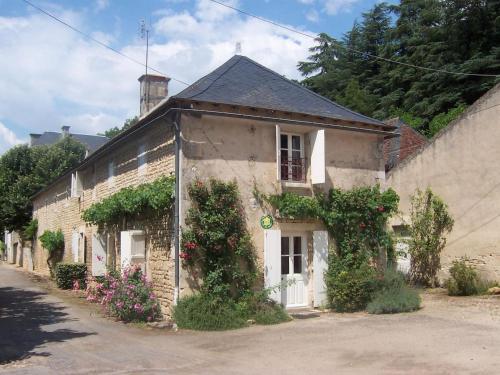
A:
(55, 209)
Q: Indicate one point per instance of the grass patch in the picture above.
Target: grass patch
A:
(465, 281)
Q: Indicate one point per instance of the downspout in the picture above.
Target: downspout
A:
(177, 209)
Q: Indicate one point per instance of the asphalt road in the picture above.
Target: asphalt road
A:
(43, 333)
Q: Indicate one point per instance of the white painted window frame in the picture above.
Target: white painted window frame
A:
(290, 152)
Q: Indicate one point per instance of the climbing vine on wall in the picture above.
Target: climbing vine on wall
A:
(216, 242)
(356, 218)
(138, 202)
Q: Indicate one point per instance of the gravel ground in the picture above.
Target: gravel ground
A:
(45, 331)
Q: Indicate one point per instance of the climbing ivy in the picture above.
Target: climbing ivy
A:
(216, 242)
(356, 218)
(133, 203)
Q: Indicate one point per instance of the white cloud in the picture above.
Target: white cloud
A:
(333, 7)
(101, 5)
(54, 77)
(312, 15)
(306, 1)
(7, 138)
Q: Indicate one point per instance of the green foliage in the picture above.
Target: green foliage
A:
(209, 312)
(2, 247)
(458, 36)
(25, 170)
(216, 241)
(113, 132)
(350, 283)
(52, 241)
(206, 312)
(443, 119)
(155, 198)
(391, 301)
(294, 206)
(356, 218)
(465, 281)
(430, 221)
(30, 230)
(67, 273)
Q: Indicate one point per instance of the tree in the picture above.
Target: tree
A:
(430, 222)
(113, 132)
(454, 35)
(25, 170)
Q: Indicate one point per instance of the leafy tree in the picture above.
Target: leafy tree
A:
(113, 132)
(443, 119)
(454, 35)
(430, 222)
(25, 170)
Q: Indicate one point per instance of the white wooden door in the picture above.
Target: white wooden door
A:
(272, 263)
(98, 254)
(294, 270)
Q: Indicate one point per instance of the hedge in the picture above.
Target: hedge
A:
(67, 273)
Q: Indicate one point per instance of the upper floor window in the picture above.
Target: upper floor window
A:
(292, 161)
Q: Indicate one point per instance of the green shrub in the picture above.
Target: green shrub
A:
(52, 241)
(394, 300)
(350, 283)
(259, 307)
(68, 273)
(30, 230)
(465, 281)
(208, 313)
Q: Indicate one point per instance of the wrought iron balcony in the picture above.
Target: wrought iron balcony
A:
(293, 170)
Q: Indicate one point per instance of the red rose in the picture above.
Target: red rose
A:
(362, 225)
(381, 209)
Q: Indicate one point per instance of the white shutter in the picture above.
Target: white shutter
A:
(272, 262)
(75, 246)
(317, 139)
(278, 152)
(98, 254)
(125, 249)
(320, 264)
(132, 248)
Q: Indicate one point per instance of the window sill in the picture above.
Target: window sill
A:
(295, 184)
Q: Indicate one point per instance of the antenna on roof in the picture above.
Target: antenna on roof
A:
(237, 50)
(144, 30)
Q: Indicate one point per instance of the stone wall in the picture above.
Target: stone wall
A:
(140, 159)
(460, 164)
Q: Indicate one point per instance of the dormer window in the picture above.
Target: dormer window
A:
(292, 161)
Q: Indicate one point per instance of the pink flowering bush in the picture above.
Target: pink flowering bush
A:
(128, 297)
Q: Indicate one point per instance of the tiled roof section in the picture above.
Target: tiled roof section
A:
(91, 142)
(242, 81)
(399, 148)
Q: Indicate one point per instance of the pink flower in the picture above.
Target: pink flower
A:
(76, 285)
(99, 258)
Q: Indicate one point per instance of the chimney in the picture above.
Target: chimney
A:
(33, 138)
(153, 90)
(64, 131)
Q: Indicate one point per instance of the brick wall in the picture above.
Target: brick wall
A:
(55, 209)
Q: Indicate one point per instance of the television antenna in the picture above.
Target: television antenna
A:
(237, 49)
(144, 31)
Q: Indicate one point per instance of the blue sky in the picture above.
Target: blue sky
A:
(55, 77)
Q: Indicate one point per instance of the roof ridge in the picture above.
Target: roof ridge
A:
(308, 90)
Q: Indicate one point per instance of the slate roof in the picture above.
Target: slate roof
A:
(242, 81)
(91, 142)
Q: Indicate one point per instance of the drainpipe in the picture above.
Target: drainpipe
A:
(178, 176)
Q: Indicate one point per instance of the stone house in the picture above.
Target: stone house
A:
(460, 164)
(242, 122)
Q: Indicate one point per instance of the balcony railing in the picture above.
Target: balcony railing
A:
(293, 170)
